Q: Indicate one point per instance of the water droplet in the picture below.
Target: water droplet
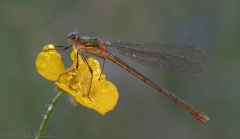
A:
(47, 57)
(50, 107)
(47, 104)
(44, 116)
(50, 46)
(35, 134)
(72, 101)
(43, 65)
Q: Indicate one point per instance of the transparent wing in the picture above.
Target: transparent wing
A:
(170, 57)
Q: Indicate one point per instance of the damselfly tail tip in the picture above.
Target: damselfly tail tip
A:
(203, 118)
(200, 116)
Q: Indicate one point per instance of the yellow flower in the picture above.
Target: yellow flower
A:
(85, 88)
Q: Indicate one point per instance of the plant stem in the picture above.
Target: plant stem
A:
(48, 114)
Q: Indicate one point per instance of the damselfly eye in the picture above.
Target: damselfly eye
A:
(72, 35)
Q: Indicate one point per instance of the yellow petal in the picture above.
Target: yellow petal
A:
(49, 63)
(104, 96)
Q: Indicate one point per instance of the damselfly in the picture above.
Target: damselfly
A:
(169, 57)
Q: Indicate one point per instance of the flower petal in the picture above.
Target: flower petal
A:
(49, 63)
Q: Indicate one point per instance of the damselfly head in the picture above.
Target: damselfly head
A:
(72, 35)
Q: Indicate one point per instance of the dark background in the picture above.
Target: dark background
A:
(142, 112)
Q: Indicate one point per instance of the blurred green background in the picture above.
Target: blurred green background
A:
(142, 112)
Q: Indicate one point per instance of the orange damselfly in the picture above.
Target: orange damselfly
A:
(169, 57)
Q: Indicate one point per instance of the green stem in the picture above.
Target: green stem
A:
(48, 114)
